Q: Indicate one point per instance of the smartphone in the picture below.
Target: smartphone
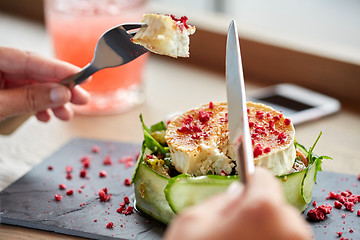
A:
(297, 103)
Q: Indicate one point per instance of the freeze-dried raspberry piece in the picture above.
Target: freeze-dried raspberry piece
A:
(349, 206)
(338, 204)
(83, 173)
(126, 200)
(85, 162)
(102, 173)
(50, 168)
(318, 213)
(107, 161)
(68, 169)
(58, 197)
(95, 149)
(104, 197)
(127, 182)
(110, 225)
(70, 192)
(62, 186)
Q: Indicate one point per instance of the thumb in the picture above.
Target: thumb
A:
(32, 98)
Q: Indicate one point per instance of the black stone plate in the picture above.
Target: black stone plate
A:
(29, 202)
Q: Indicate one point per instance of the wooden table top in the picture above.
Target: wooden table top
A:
(169, 87)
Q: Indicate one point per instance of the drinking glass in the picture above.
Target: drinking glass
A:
(75, 27)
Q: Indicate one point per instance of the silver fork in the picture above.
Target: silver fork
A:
(114, 48)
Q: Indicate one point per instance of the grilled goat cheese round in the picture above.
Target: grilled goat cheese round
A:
(199, 140)
(273, 138)
(165, 35)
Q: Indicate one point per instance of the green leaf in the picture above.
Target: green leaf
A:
(160, 126)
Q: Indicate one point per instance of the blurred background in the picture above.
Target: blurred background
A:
(315, 44)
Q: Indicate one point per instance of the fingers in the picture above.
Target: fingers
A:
(63, 112)
(79, 96)
(17, 64)
(33, 98)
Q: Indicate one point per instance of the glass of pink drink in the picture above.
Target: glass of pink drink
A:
(75, 27)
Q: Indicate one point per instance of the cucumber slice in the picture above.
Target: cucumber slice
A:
(308, 183)
(149, 193)
(183, 191)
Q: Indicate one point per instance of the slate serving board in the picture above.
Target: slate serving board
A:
(29, 202)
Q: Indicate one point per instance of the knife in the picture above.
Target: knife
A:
(239, 133)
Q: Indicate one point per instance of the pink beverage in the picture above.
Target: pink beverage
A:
(75, 27)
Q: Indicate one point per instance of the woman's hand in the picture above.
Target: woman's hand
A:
(256, 211)
(30, 84)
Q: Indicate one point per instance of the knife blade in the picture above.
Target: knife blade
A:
(239, 133)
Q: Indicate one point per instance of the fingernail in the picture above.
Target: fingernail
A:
(57, 94)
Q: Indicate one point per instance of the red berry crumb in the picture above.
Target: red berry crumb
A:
(318, 213)
(58, 197)
(109, 225)
(338, 204)
(127, 182)
(104, 197)
(339, 234)
(349, 206)
(83, 173)
(62, 186)
(102, 173)
(126, 200)
(68, 169)
(85, 162)
(358, 213)
(95, 149)
(107, 161)
(314, 203)
(69, 192)
(95, 220)
(287, 121)
(50, 168)
(258, 150)
(359, 177)
(68, 176)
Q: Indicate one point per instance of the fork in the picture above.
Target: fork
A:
(114, 48)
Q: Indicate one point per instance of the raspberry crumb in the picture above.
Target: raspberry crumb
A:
(85, 162)
(83, 173)
(349, 206)
(68, 169)
(211, 106)
(68, 176)
(126, 200)
(58, 197)
(314, 203)
(359, 177)
(287, 121)
(69, 192)
(338, 204)
(358, 213)
(339, 234)
(109, 225)
(95, 149)
(104, 197)
(343, 216)
(107, 161)
(318, 213)
(95, 220)
(102, 173)
(50, 168)
(62, 186)
(127, 182)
